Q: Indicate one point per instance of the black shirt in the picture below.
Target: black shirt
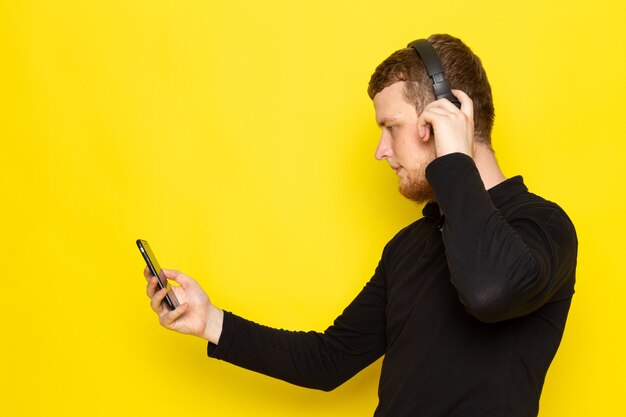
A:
(468, 309)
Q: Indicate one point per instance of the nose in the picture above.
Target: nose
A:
(383, 150)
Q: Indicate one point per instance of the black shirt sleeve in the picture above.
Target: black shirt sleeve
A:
(311, 359)
(502, 267)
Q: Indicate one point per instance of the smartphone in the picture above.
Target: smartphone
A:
(170, 298)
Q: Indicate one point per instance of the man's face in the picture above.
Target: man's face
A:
(400, 144)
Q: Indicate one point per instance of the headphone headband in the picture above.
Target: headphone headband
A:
(435, 70)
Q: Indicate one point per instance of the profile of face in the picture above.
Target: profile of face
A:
(400, 144)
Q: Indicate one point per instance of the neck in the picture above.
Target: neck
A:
(487, 165)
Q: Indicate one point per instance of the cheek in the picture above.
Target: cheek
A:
(426, 151)
(413, 151)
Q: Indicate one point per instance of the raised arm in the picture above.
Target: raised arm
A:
(503, 265)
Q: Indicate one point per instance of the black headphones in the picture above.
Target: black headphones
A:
(435, 70)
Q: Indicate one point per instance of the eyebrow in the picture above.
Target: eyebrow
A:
(385, 120)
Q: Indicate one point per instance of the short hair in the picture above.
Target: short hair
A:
(461, 67)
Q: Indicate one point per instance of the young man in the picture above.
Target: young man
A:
(468, 304)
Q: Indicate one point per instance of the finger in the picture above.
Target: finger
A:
(178, 276)
(170, 273)
(151, 288)
(436, 115)
(438, 111)
(147, 273)
(168, 319)
(431, 117)
(157, 300)
(442, 103)
(446, 104)
(425, 117)
(179, 293)
(467, 105)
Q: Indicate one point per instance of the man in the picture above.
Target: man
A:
(468, 304)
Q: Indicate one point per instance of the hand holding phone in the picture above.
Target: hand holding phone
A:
(170, 298)
(196, 316)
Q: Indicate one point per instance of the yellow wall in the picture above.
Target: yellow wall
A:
(237, 137)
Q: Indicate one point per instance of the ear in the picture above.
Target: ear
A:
(425, 132)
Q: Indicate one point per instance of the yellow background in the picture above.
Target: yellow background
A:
(238, 139)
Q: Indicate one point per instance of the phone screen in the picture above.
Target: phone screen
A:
(170, 298)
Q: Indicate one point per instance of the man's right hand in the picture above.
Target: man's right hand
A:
(453, 128)
(196, 315)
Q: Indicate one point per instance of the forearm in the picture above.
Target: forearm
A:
(310, 359)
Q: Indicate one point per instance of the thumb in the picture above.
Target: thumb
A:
(177, 276)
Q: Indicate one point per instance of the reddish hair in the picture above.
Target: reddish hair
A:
(461, 67)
